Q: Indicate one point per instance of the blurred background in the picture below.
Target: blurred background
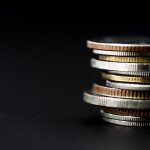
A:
(45, 67)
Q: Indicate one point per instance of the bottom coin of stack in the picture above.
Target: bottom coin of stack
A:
(124, 96)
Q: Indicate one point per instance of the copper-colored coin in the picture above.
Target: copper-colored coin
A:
(127, 112)
(121, 43)
(122, 93)
(125, 59)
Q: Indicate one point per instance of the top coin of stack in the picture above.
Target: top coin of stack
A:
(125, 65)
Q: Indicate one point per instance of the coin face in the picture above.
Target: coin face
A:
(120, 43)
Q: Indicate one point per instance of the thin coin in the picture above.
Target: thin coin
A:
(127, 123)
(125, 118)
(125, 59)
(127, 112)
(117, 66)
(141, 74)
(96, 99)
(121, 43)
(121, 53)
(121, 78)
(121, 93)
(128, 86)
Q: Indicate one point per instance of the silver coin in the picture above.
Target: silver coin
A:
(127, 123)
(144, 74)
(96, 99)
(121, 53)
(106, 65)
(128, 86)
(124, 118)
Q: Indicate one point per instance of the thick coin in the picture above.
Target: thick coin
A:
(125, 59)
(122, 53)
(127, 123)
(125, 118)
(141, 74)
(106, 101)
(128, 86)
(117, 66)
(127, 112)
(120, 43)
(121, 93)
(121, 78)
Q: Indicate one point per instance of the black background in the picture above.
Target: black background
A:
(45, 66)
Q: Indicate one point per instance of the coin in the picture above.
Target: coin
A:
(128, 86)
(121, 78)
(121, 53)
(121, 43)
(127, 123)
(96, 99)
(117, 66)
(127, 112)
(125, 118)
(125, 59)
(141, 74)
(121, 93)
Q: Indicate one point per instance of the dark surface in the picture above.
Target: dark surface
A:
(44, 69)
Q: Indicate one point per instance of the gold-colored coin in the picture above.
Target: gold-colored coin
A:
(121, 78)
(125, 59)
(121, 93)
(127, 112)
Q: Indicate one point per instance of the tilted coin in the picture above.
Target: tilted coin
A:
(128, 86)
(106, 101)
(121, 43)
(141, 74)
(117, 66)
(125, 59)
(128, 79)
(121, 53)
(125, 118)
(127, 112)
(127, 123)
(113, 92)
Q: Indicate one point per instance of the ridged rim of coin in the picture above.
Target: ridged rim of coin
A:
(127, 112)
(141, 74)
(127, 123)
(95, 99)
(128, 86)
(121, 93)
(125, 59)
(120, 43)
(121, 78)
(121, 53)
(125, 118)
(117, 66)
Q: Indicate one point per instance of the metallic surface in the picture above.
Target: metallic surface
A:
(127, 112)
(100, 100)
(142, 74)
(105, 65)
(121, 53)
(125, 118)
(113, 92)
(127, 123)
(121, 78)
(128, 86)
(125, 59)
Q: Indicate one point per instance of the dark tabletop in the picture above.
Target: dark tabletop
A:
(45, 67)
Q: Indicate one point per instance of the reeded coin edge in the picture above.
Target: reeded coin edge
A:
(117, 46)
(99, 100)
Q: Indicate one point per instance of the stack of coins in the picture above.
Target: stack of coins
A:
(124, 96)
